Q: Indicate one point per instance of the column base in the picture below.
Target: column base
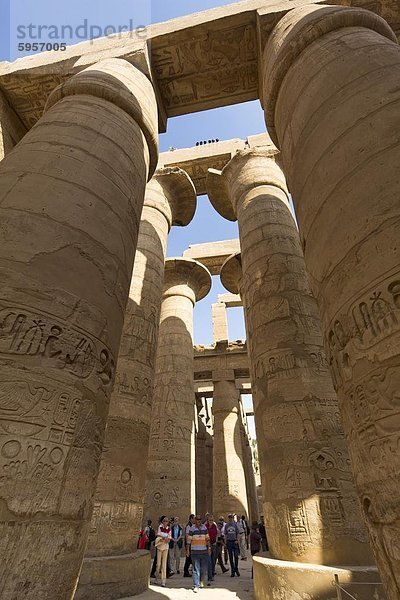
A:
(302, 581)
(113, 577)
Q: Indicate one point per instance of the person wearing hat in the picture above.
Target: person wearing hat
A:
(162, 544)
(231, 535)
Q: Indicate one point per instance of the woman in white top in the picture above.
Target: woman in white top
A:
(162, 545)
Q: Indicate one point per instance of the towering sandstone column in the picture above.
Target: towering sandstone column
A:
(338, 135)
(229, 484)
(252, 502)
(118, 510)
(310, 505)
(71, 197)
(170, 484)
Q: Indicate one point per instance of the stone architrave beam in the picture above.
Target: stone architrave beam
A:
(213, 254)
(198, 62)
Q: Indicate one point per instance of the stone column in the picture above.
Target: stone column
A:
(204, 457)
(229, 484)
(71, 197)
(170, 482)
(338, 135)
(201, 471)
(311, 508)
(209, 453)
(118, 510)
(251, 489)
(219, 322)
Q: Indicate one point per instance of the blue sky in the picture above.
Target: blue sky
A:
(224, 123)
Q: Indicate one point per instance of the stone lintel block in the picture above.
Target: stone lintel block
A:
(230, 300)
(212, 254)
(306, 581)
(223, 375)
(113, 577)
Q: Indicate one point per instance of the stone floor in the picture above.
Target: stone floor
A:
(224, 587)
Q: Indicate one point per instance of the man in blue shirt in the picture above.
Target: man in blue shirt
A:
(231, 535)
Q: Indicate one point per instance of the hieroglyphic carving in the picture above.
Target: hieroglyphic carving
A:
(28, 94)
(373, 317)
(138, 389)
(54, 342)
(210, 66)
(139, 334)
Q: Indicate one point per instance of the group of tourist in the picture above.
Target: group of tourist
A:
(206, 542)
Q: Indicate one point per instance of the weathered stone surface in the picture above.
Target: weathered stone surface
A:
(11, 128)
(213, 254)
(204, 465)
(340, 147)
(219, 322)
(251, 489)
(197, 62)
(293, 581)
(99, 576)
(170, 482)
(118, 510)
(229, 484)
(311, 508)
(71, 196)
(223, 355)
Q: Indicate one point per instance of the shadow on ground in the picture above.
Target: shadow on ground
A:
(223, 588)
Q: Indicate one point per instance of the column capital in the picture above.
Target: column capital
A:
(186, 277)
(298, 29)
(172, 192)
(117, 81)
(246, 170)
(231, 273)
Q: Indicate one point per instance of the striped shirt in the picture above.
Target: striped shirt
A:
(198, 539)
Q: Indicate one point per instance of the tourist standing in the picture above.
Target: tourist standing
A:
(175, 545)
(263, 533)
(246, 529)
(242, 537)
(198, 545)
(212, 531)
(162, 544)
(188, 560)
(231, 535)
(255, 541)
(221, 545)
(150, 534)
